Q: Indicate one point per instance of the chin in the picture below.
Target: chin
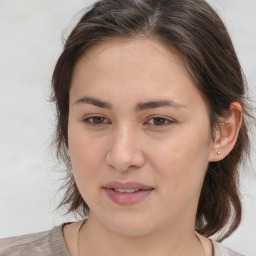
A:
(130, 225)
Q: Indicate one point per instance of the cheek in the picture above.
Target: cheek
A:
(87, 156)
(86, 161)
(84, 148)
(181, 162)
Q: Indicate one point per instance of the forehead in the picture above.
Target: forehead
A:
(128, 44)
(130, 52)
(136, 68)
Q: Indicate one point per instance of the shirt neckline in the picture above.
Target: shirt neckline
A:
(59, 246)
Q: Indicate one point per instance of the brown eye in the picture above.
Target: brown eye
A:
(98, 119)
(95, 120)
(159, 121)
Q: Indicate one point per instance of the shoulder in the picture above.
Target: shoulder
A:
(47, 243)
(22, 245)
(221, 250)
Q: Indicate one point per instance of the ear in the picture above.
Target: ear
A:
(226, 134)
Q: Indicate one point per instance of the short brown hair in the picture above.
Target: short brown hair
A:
(196, 32)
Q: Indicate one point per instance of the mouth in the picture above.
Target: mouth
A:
(127, 193)
(121, 190)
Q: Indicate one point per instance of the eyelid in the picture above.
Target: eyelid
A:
(87, 118)
(166, 119)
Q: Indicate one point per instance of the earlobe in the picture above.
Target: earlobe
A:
(227, 133)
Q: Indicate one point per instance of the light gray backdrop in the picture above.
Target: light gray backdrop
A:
(30, 42)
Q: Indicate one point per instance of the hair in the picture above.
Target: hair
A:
(196, 32)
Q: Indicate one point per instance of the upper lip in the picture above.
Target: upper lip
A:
(127, 185)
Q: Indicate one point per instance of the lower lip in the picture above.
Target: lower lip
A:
(127, 198)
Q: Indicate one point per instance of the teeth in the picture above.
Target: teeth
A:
(121, 190)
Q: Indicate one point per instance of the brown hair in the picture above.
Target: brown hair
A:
(196, 32)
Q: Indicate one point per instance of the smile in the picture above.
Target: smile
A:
(127, 193)
(125, 190)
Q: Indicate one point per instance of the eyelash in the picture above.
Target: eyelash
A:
(166, 121)
(88, 122)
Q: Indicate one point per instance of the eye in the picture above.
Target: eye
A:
(95, 120)
(160, 121)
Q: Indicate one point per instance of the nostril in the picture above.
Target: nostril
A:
(123, 159)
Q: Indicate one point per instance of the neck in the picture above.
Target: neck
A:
(97, 240)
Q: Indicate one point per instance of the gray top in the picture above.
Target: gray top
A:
(52, 243)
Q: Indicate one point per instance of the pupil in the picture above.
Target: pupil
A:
(159, 121)
(97, 120)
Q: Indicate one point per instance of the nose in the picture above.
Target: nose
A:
(125, 151)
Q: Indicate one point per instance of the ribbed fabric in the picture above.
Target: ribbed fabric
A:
(47, 243)
(52, 243)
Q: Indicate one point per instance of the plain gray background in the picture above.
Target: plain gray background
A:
(30, 43)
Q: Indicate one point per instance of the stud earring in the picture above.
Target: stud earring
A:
(218, 152)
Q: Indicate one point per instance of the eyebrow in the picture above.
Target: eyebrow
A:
(94, 101)
(157, 104)
(139, 107)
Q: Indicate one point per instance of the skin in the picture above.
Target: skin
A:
(169, 154)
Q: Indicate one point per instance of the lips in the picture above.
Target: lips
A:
(127, 193)
(123, 190)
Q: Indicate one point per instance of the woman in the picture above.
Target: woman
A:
(152, 126)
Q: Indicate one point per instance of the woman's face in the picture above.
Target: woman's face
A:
(137, 122)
